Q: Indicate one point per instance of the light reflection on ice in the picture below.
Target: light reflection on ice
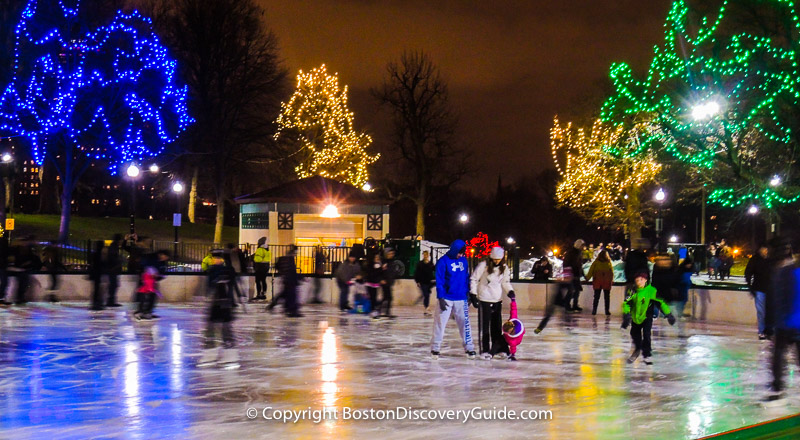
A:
(133, 400)
(176, 378)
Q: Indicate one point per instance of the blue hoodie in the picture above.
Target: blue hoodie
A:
(452, 274)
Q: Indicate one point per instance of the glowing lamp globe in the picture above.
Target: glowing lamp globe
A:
(6, 157)
(153, 168)
(463, 218)
(177, 187)
(752, 210)
(330, 211)
(132, 171)
(660, 195)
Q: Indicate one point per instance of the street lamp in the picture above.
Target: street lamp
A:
(660, 197)
(177, 188)
(153, 168)
(775, 181)
(705, 110)
(673, 239)
(367, 187)
(133, 172)
(510, 240)
(753, 211)
(463, 219)
(7, 157)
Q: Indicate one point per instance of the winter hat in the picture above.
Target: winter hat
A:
(497, 253)
(579, 243)
(261, 241)
(642, 274)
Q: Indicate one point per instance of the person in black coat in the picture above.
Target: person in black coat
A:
(113, 267)
(96, 271)
(664, 279)
(374, 276)
(636, 262)
(758, 274)
(574, 261)
(782, 313)
(425, 277)
(542, 269)
(25, 262)
(290, 280)
(4, 254)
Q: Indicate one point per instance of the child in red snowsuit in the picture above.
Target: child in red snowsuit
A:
(147, 292)
(513, 329)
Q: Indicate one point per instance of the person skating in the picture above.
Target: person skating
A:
(758, 275)
(345, 274)
(489, 281)
(261, 262)
(564, 291)
(542, 269)
(636, 261)
(96, 270)
(452, 287)
(783, 313)
(374, 275)
(320, 261)
(425, 277)
(387, 284)
(572, 259)
(638, 314)
(290, 280)
(513, 329)
(601, 272)
(155, 266)
(113, 267)
(222, 298)
(51, 260)
(4, 254)
(25, 262)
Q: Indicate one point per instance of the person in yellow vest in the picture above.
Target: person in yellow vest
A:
(261, 261)
(207, 262)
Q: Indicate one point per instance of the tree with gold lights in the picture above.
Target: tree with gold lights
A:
(600, 178)
(317, 122)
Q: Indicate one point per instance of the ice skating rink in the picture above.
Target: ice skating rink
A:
(66, 372)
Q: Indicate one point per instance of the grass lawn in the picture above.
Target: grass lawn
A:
(45, 227)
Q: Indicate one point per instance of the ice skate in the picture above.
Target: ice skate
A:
(434, 354)
(537, 330)
(500, 356)
(208, 358)
(648, 360)
(229, 359)
(633, 356)
(486, 356)
(472, 354)
(512, 358)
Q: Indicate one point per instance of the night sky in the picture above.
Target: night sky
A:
(511, 66)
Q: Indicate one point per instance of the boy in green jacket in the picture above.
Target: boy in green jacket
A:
(639, 306)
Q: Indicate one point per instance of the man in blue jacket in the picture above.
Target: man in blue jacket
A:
(452, 289)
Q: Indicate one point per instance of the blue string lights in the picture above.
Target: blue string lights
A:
(113, 93)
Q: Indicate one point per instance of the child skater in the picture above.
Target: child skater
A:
(221, 284)
(639, 315)
(490, 279)
(513, 330)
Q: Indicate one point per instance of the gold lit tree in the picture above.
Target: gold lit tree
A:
(318, 124)
(599, 177)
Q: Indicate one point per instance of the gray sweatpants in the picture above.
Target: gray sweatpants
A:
(460, 311)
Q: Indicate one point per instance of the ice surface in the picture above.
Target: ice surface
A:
(66, 372)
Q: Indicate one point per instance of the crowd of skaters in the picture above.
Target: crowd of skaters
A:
(658, 283)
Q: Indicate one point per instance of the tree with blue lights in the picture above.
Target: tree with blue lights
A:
(86, 95)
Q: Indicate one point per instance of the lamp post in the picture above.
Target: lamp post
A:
(660, 196)
(177, 188)
(6, 161)
(753, 211)
(463, 219)
(702, 111)
(133, 173)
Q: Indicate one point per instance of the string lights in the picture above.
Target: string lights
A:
(721, 95)
(600, 176)
(318, 119)
(111, 94)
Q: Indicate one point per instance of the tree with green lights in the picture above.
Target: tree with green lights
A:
(722, 95)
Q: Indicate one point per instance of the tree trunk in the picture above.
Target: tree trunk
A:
(9, 201)
(220, 221)
(633, 215)
(193, 195)
(66, 213)
(420, 218)
(48, 189)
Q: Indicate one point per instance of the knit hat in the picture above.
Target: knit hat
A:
(579, 243)
(497, 253)
(642, 274)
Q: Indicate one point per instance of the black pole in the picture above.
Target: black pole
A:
(177, 211)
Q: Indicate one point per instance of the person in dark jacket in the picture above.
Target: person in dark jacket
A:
(51, 259)
(223, 298)
(4, 254)
(113, 267)
(374, 274)
(290, 280)
(96, 271)
(542, 269)
(25, 262)
(345, 275)
(387, 283)
(572, 259)
(664, 279)
(636, 262)
(320, 261)
(425, 277)
(685, 270)
(783, 312)
(601, 273)
(758, 274)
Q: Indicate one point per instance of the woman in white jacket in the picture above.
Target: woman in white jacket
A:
(489, 281)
